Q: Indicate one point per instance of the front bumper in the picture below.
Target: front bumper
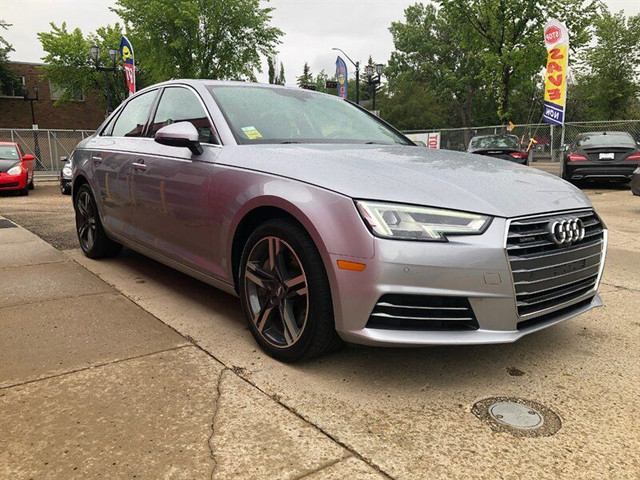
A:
(474, 267)
(13, 182)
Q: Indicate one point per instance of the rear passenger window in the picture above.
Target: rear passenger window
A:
(179, 104)
(134, 117)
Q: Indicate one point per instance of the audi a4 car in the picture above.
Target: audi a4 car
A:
(505, 147)
(329, 224)
(601, 156)
(16, 168)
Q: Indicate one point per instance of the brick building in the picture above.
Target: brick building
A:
(83, 114)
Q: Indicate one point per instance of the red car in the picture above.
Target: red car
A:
(16, 169)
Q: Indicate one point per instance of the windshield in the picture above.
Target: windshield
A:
(9, 152)
(277, 115)
(613, 139)
(506, 141)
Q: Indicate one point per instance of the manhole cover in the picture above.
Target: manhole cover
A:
(517, 416)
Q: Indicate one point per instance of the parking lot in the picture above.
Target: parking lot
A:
(217, 406)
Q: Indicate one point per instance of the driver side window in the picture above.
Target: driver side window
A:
(179, 104)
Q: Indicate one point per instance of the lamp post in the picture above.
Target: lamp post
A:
(94, 51)
(34, 125)
(374, 81)
(357, 65)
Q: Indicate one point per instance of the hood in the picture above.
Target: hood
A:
(415, 175)
(5, 165)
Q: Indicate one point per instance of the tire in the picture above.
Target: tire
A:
(31, 186)
(91, 235)
(285, 293)
(65, 190)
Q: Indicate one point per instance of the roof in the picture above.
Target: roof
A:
(9, 143)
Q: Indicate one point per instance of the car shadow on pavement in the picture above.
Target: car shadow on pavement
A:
(457, 367)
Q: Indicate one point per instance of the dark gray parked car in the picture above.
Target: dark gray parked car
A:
(601, 156)
(505, 147)
(331, 225)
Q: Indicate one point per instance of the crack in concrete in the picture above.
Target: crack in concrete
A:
(323, 467)
(89, 367)
(37, 302)
(620, 287)
(350, 449)
(214, 417)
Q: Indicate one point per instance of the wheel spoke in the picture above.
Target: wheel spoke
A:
(82, 231)
(290, 329)
(297, 286)
(260, 318)
(257, 275)
(274, 250)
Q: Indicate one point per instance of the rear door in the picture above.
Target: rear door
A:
(171, 185)
(111, 156)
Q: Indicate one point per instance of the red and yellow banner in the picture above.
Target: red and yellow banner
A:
(556, 39)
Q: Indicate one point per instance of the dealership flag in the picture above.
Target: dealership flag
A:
(341, 77)
(126, 51)
(556, 39)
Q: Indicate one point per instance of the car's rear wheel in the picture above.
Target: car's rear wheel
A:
(92, 237)
(285, 293)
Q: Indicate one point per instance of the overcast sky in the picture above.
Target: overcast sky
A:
(312, 27)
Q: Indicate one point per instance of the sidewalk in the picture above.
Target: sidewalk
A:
(91, 385)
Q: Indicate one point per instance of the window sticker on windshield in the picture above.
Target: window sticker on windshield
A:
(251, 132)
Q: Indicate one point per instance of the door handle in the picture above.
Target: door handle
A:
(97, 160)
(139, 166)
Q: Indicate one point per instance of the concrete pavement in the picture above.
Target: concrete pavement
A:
(91, 385)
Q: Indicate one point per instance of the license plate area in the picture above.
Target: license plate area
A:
(607, 156)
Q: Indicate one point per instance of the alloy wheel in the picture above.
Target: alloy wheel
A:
(85, 220)
(277, 293)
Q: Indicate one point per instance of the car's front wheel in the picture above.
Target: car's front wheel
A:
(285, 293)
(91, 235)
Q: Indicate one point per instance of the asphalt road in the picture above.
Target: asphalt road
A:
(408, 412)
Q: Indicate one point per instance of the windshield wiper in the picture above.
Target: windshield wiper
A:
(288, 141)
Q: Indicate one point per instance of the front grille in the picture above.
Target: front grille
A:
(546, 275)
(9, 185)
(422, 312)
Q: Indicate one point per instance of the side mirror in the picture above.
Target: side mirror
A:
(28, 158)
(63, 159)
(181, 134)
(420, 143)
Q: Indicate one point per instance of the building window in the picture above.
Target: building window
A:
(13, 88)
(57, 91)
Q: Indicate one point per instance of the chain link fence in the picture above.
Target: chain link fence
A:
(46, 145)
(545, 141)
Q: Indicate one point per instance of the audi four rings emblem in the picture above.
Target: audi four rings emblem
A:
(567, 231)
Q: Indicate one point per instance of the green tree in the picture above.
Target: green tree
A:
(7, 77)
(69, 67)
(307, 77)
(511, 50)
(281, 78)
(199, 38)
(610, 88)
(430, 59)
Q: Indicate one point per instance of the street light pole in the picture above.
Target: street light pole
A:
(357, 65)
(374, 82)
(95, 55)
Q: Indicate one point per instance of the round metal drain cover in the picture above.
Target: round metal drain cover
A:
(517, 416)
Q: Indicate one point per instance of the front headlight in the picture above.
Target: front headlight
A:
(66, 171)
(408, 222)
(17, 170)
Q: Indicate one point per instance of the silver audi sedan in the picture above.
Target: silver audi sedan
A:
(332, 226)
